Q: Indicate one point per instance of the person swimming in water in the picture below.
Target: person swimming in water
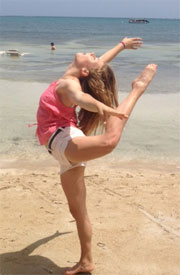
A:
(53, 47)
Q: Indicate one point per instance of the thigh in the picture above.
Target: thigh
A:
(80, 149)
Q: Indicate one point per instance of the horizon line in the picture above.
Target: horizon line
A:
(76, 16)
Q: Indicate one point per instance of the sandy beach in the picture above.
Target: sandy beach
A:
(134, 209)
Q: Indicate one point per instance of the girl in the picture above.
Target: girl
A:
(90, 84)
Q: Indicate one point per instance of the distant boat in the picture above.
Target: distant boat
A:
(13, 53)
(139, 21)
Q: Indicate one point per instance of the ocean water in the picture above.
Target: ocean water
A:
(153, 131)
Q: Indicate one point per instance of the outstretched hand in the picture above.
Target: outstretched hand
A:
(132, 43)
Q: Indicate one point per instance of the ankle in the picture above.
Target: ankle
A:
(86, 260)
(87, 265)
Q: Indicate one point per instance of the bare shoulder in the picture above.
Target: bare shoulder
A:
(66, 89)
(68, 85)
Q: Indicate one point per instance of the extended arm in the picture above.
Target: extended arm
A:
(72, 93)
(126, 43)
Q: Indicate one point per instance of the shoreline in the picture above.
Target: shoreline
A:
(114, 162)
(150, 133)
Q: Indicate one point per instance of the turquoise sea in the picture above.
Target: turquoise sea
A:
(153, 131)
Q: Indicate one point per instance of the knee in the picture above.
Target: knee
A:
(76, 212)
(110, 144)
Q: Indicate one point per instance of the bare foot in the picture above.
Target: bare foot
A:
(79, 268)
(140, 84)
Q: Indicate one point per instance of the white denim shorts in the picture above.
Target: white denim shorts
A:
(59, 145)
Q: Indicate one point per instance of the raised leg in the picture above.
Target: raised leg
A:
(73, 185)
(86, 148)
(115, 126)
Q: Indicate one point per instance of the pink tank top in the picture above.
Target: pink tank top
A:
(52, 114)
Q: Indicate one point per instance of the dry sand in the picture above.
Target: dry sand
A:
(134, 209)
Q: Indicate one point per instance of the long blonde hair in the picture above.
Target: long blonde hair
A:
(100, 84)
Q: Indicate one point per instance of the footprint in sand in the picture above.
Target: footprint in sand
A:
(101, 245)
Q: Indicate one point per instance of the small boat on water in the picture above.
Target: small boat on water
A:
(13, 53)
(139, 21)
